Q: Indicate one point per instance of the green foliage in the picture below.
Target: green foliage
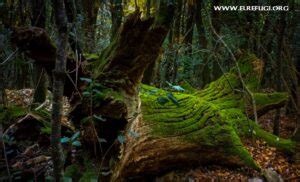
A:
(162, 100)
(11, 113)
(121, 138)
(133, 134)
(173, 99)
(175, 87)
(73, 141)
(100, 118)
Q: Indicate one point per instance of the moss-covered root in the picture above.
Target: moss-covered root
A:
(286, 145)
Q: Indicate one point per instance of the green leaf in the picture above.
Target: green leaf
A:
(133, 134)
(46, 130)
(76, 143)
(175, 87)
(99, 86)
(100, 118)
(162, 100)
(121, 139)
(152, 92)
(88, 80)
(97, 91)
(64, 140)
(49, 179)
(173, 99)
(99, 95)
(86, 93)
(178, 88)
(102, 140)
(170, 85)
(75, 136)
(67, 179)
(106, 173)
(17, 177)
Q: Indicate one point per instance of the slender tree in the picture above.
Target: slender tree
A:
(280, 37)
(90, 9)
(58, 87)
(116, 10)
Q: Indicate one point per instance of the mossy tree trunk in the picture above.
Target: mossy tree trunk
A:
(198, 126)
(119, 70)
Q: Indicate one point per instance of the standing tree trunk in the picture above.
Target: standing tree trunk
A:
(2, 87)
(90, 8)
(71, 11)
(38, 19)
(280, 36)
(188, 36)
(170, 64)
(58, 87)
(152, 70)
(296, 47)
(148, 8)
(116, 10)
(198, 71)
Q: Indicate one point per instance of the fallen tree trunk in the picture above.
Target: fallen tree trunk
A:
(181, 129)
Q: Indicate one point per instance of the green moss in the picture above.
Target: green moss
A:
(10, 113)
(264, 99)
(91, 57)
(280, 143)
(188, 87)
(101, 61)
(215, 116)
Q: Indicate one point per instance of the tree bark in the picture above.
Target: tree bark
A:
(58, 88)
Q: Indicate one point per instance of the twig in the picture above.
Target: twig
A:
(4, 152)
(104, 156)
(38, 83)
(9, 57)
(41, 106)
(75, 86)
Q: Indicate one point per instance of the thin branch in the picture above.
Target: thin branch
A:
(9, 57)
(4, 152)
(238, 70)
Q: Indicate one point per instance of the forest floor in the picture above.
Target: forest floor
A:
(266, 156)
